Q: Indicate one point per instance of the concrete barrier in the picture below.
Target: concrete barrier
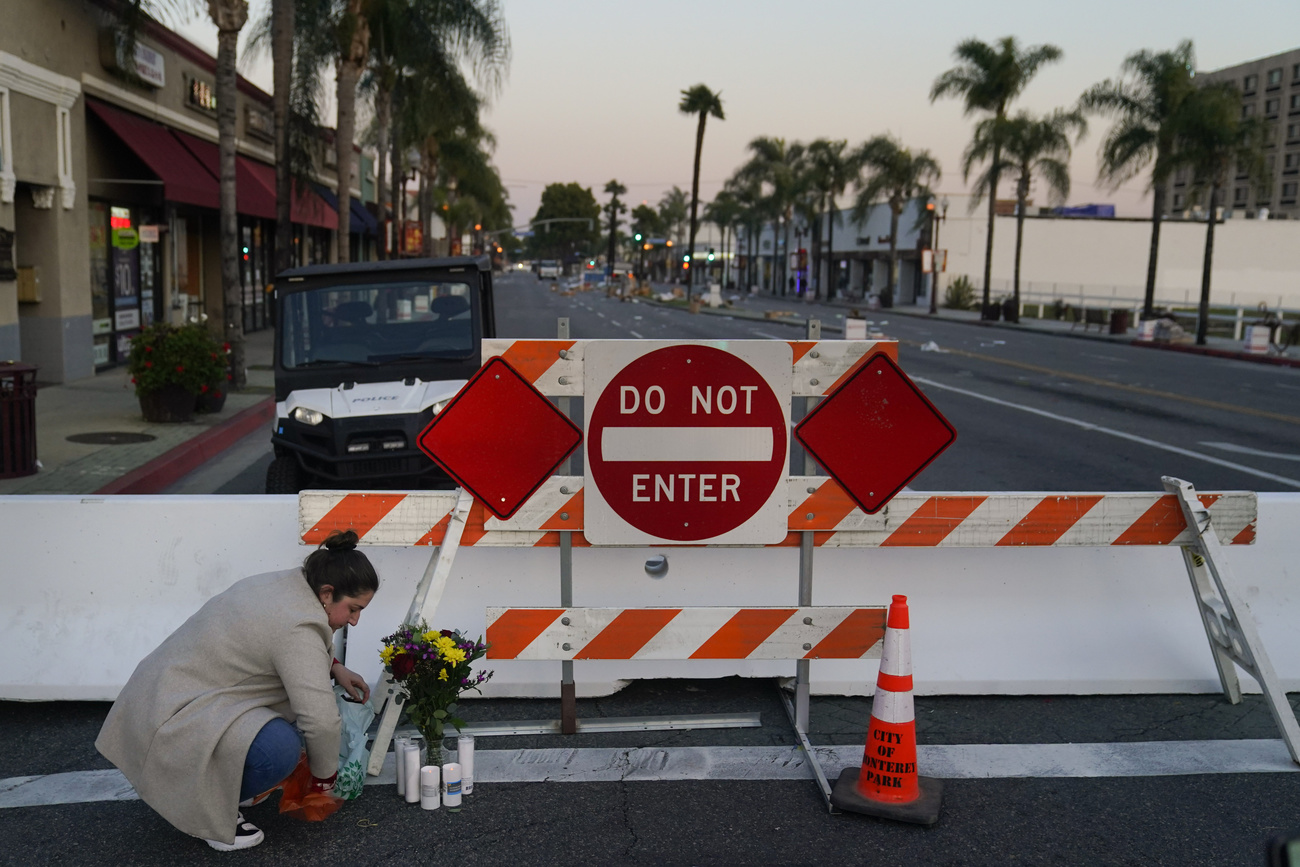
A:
(92, 584)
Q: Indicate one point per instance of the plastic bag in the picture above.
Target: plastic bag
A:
(300, 802)
(354, 753)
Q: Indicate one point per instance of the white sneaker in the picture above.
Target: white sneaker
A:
(246, 837)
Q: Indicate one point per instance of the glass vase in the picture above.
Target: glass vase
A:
(433, 747)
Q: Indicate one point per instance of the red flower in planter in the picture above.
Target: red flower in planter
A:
(203, 390)
(180, 368)
(403, 665)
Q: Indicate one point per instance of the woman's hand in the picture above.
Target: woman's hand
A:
(353, 683)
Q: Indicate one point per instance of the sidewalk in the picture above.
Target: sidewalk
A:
(105, 405)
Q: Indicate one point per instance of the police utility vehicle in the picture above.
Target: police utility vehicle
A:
(365, 355)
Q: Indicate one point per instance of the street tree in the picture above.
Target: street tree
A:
(988, 78)
(1146, 102)
(674, 210)
(703, 103)
(725, 212)
(578, 234)
(831, 168)
(1031, 146)
(613, 208)
(777, 167)
(895, 175)
(1213, 138)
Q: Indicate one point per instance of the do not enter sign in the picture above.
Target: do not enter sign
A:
(687, 442)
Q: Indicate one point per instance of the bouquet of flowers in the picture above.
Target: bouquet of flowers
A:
(432, 668)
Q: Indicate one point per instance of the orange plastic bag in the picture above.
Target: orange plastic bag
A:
(299, 801)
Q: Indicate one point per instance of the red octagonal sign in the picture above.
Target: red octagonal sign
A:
(686, 442)
(500, 438)
(875, 432)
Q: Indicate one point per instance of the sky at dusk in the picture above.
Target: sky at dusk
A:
(593, 85)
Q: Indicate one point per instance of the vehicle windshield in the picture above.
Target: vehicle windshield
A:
(376, 323)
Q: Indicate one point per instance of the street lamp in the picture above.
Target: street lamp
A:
(939, 216)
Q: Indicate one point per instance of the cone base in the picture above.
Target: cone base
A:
(923, 811)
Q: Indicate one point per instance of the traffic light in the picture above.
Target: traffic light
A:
(710, 254)
(637, 237)
(686, 257)
(478, 227)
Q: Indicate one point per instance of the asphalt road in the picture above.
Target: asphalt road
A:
(1034, 412)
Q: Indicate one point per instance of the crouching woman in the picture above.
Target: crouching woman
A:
(219, 713)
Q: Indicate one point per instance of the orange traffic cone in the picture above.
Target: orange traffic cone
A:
(887, 784)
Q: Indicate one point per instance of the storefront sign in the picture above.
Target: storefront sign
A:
(413, 238)
(148, 234)
(124, 320)
(102, 326)
(259, 123)
(126, 239)
(201, 95)
(148, 65)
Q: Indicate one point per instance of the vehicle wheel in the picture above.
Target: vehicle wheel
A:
(284, 476)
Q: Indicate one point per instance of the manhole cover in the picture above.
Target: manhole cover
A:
(111, 438)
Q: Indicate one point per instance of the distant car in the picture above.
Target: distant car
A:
(548, 269)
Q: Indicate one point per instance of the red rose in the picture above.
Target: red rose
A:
(148, 349)
(134, 380)
(446, 633)
(203, 390)
(226, 347)
(180, 368)
(148, 364)
(403, 665)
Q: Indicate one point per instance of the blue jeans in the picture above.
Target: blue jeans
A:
(271, 758)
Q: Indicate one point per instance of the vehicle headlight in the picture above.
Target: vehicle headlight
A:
(307, 416)
(439, 406)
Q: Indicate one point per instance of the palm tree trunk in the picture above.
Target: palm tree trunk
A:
(892, 292)
(229, 16)
(398, 192)
(383, 119)
(832, 283)
(1203, 309)
(282, 75)
(988, 242)
(1022, 193)
(1157, 207)
(695, 201)
(348, 74)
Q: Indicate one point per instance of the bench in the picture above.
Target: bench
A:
(1089, 316)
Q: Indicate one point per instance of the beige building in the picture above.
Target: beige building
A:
(1270, 88)
(109, 193)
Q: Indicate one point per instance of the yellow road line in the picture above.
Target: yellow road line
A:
(1119, 386)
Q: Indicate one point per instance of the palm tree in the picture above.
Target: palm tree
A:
(1030, 146)
(897, 175)
(831, 169)
(1146, 103)
(724, 212)
(701, 101)
(1212, 138)
(612, 209)
(229, 16)
(282, 27)
(776, 166)
(988, 78)
(674, 211)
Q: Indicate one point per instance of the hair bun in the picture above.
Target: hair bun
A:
(342, 540)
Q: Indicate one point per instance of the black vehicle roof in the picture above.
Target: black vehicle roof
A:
(482, 263)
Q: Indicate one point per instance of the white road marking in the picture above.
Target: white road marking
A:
(765, 335)
(951, 761)
(635, 334)
(616, 323)
(1156, 444)
(1247, 450)
(598, 313)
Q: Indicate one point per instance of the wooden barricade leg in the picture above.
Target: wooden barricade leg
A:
(1229, 625)
(428, 593)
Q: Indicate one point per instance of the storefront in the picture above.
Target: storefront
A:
(125, 276)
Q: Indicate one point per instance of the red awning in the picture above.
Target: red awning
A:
(252, 197)
(184, 179)
(307, 208)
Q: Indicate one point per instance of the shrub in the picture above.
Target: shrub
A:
(188, 356)
(960, 294)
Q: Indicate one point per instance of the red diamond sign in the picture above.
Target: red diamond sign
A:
(500, 438)
(875, 433)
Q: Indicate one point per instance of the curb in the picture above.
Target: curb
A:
(157, 474)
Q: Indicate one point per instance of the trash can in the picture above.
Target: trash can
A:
(17, 419)
(1119, 322)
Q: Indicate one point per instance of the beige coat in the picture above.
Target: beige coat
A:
(182, 726)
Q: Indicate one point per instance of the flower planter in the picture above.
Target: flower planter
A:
(171, 403)
(212, 400)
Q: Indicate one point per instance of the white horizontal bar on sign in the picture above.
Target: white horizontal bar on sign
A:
(820, 368)
(686, 444)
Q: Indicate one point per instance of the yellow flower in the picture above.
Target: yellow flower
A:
(386, 654)
(431, 636)
(442, 675)
(454, 655)
(444, 643)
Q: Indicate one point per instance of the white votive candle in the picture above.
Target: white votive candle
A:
(430, 787)
(451, 786)
(411, 764)
(399, 765)
(465, 757)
